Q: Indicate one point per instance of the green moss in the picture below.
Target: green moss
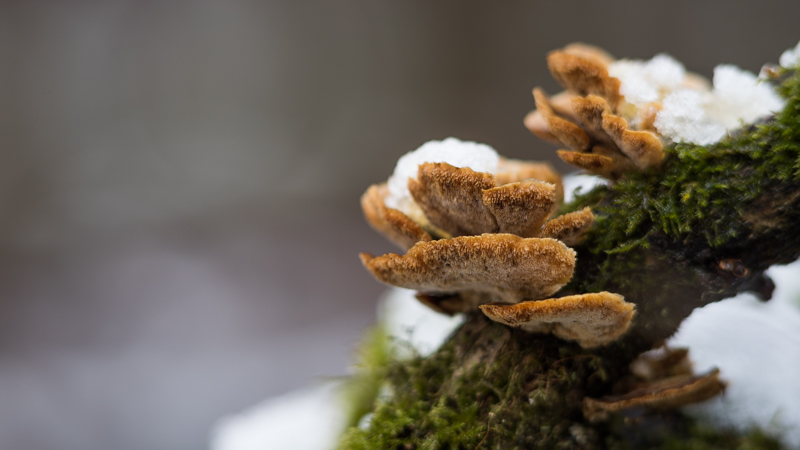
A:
(415, 408)
(517, 400)
(372, 360)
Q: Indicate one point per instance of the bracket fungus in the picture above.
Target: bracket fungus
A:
(477, 237)
(661, 363)
(616, 115)
(393, 224)
(508, 266)
(661, 380)
(424, 214)
(589, 319)
(661, 395)
(589, 117)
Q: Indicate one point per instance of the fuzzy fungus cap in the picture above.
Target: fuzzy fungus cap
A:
(667, 394)
(390, 222)
(590, 319)
(569, 228)
(463, 202)
(515, 170)
(508, 266)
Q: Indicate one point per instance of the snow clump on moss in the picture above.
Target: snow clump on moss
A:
(693, 111)
(791, 57)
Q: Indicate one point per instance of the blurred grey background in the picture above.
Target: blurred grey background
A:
(179, 181)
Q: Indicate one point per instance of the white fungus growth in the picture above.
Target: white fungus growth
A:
(791, 57)
(478, 157)
(691, 110)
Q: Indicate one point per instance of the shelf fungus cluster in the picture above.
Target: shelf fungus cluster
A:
(661, 380)
(487, 239)
(604, 134)
(616, 115)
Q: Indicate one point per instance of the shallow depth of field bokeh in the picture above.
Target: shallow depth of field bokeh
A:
(179, 220)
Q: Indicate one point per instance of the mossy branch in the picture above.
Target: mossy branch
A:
(701, 227)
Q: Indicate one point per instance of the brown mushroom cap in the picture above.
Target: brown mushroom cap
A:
(590, 162)
(537, 124)
(667, 394)
(461, 201)
(561, 104)
(589, 110)
(589, 319)
(583, 76)
(567, 132)
(451, 198)
(569, 228)
(642, 147)
(589, 51)
(521, 208)
(511, 267)
(588, 117)
(393, 224)
(514, 170)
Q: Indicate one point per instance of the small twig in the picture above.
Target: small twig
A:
(488, 427)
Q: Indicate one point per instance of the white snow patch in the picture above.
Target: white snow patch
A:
(644, 82)
(409, 321)
(691, 111)
(585, 182)
(703, 117)
(740, 98)
(478, 157)
(756, 347)
(791, 57)
(305, 419)
(684, 119)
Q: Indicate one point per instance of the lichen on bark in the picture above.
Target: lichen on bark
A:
(701, 227)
